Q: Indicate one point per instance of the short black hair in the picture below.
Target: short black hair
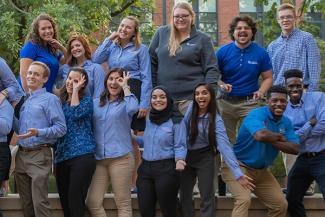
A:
(277, 89)
(293, 73)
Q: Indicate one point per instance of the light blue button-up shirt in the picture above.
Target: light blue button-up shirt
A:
(8, 82)
(297, 51)
(112, 127)
(43, 111)
(96, 76)
(162, 141)
(312, 104)
(6, 119)
(136, 61)
(222, 141)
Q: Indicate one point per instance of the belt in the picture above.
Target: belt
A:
(237, 98)
(312, 154)
(33, 148)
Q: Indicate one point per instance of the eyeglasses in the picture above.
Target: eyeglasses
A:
(288, 17)
(181, 17)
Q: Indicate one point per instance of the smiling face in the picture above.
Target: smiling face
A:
(35, 77)
(277, 104)
(202, 98)
(182, 20)
(73, 77)
(295, 89)
(77, 49)
(286, 20)
(126, 29)
(243, 34)
(113, 87)
(45, 30)
(158, 100)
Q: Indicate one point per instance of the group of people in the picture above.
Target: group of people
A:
(165, 99)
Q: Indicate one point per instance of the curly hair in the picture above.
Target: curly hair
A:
(247, 19)
(34, 35)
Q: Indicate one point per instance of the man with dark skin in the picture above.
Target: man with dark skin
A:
(306, 110)
(262, 134)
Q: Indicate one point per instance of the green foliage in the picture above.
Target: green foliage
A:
(91, 18)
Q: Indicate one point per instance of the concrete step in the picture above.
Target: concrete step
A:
(315, 206)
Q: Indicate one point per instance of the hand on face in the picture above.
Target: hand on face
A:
(78, 85)
(114, 35)
(55, 44)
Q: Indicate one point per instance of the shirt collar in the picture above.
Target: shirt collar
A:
(87, 63)
(302, 100)
(38, 92)
(246, 49)
(290, 35)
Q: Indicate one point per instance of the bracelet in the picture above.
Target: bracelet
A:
(5, 93)
(126, 87)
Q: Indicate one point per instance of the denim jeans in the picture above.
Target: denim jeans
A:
(304, 171)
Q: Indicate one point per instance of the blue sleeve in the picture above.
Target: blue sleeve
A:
(224, 147)
(132, 105)
(265, 62)
(139, 141)
(254, 122)
(319, 128)
(6, 118)
(219, 54)
(29, 50)
(313, 62)
(83, 110)
(180, 143)
(56, 119)
(290, 133)
(9, 82)
(102, 52)
(99, 76)
(145, 70)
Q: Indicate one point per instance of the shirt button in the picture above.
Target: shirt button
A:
(241, 60)
(240, 64)
(241, 54)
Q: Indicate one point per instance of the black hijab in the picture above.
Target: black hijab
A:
(159, 117)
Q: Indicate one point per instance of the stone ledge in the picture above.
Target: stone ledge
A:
(315, 206)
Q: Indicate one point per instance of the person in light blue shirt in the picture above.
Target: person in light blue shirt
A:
(40, 124)
(74, 153)
(123, 49)
(6, 119)
(306, 110)
(158, 179)
(262, 134)
(112, 117)
(294, 49)
(9, 86)
(204, 135)
(79, 54)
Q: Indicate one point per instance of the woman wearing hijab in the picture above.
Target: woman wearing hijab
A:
(163, 154)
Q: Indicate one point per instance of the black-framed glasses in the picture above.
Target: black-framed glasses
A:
(181, 17)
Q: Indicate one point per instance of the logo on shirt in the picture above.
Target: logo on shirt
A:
(190, 44)
(252, 62)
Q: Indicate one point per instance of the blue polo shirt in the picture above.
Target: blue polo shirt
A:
(256, 154)
(44, 55)
(242, 67)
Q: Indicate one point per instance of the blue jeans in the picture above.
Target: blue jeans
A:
(304, 171)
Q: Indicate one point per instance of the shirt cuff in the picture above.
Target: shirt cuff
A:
(41, 132)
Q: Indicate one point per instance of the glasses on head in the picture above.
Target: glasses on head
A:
(288, 17)
(181, 17)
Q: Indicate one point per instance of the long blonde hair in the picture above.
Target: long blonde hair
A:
(175, 38)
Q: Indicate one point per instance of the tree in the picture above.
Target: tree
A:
(87, 17)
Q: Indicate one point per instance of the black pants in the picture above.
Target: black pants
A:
(200, 164)
(135, 88)
(5, 161)
(304, 171)
(158, 180)
(73, 178)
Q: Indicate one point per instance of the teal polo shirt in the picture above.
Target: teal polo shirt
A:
(256, 154)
